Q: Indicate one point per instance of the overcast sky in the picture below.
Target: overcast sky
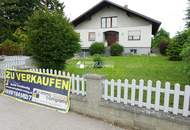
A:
(170, 12)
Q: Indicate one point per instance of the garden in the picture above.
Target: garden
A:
(43, 32)
(133, 67)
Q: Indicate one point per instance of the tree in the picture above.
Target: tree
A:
(186, 56)
(15, 46)
(9, 47)
(174, 50)
(161, 41)
(13, 14)
(188, 15)
(178, 43)
(52, 5)
(52, 39)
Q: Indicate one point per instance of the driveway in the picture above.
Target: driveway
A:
(15, 115)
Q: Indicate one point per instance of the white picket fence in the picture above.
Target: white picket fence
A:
(12, 62)
(15, 58)
(159, 97)
(78, 84)
(149, 96)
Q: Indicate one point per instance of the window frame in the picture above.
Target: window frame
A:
(133, 51)
(131, 37)
(111, 22)
(89, 37)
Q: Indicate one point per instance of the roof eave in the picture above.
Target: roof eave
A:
(155, 23)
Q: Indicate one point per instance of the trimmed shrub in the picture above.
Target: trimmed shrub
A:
(52, 39)
(116, 50)
(97, 48)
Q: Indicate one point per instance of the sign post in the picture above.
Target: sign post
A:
(40, 88)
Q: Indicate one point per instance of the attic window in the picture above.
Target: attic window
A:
(109, 22)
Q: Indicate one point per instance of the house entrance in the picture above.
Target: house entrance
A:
(111, 37)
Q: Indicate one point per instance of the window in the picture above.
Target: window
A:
(134, 35)
(114, 21)
(103, 23)
(109, 22)
(133, 51)
(91, 36)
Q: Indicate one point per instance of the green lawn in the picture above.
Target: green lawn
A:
(135, 67)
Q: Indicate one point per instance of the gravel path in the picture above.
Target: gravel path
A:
(16, 115)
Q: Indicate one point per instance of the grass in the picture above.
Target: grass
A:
(135, 67)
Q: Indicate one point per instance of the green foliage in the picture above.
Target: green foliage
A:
(13, 14)
(9, 47)
(182, 37)
(52, 5)
(163, 48)
(186, 53)
(116, 50)
(98, 62)
(21, 38)
(188, 15)
(174, 50)
(177, 44)
(52, 39)
(97, 48)
(161, 37)
(186, 56)
(161, 41)
(15, 46)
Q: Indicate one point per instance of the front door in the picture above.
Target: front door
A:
(111, 37)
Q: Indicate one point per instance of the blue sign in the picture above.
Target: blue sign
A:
(46, 89)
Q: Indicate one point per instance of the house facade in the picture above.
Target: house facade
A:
(111, 24)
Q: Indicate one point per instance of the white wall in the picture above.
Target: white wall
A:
(123, 36)
(125, 23)
(123, 19)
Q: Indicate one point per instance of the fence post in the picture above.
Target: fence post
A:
(1, 85)
(186, 101)
(94, 89)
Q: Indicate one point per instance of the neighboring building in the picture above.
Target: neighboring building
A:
(111, 23)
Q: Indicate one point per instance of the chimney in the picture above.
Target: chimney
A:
(126, 6)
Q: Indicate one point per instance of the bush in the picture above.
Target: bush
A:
(98, 62)
(9, 47)
(177, 44)
(15, 45)
(186, 56)
(97, 48)
(163, 48)
(52, 39)
(174, 51)
(161, 37)
(116, 50)
(22, 39)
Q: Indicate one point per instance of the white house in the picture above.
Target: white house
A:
(111, 23)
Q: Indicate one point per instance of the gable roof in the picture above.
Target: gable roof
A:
(105, 3)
